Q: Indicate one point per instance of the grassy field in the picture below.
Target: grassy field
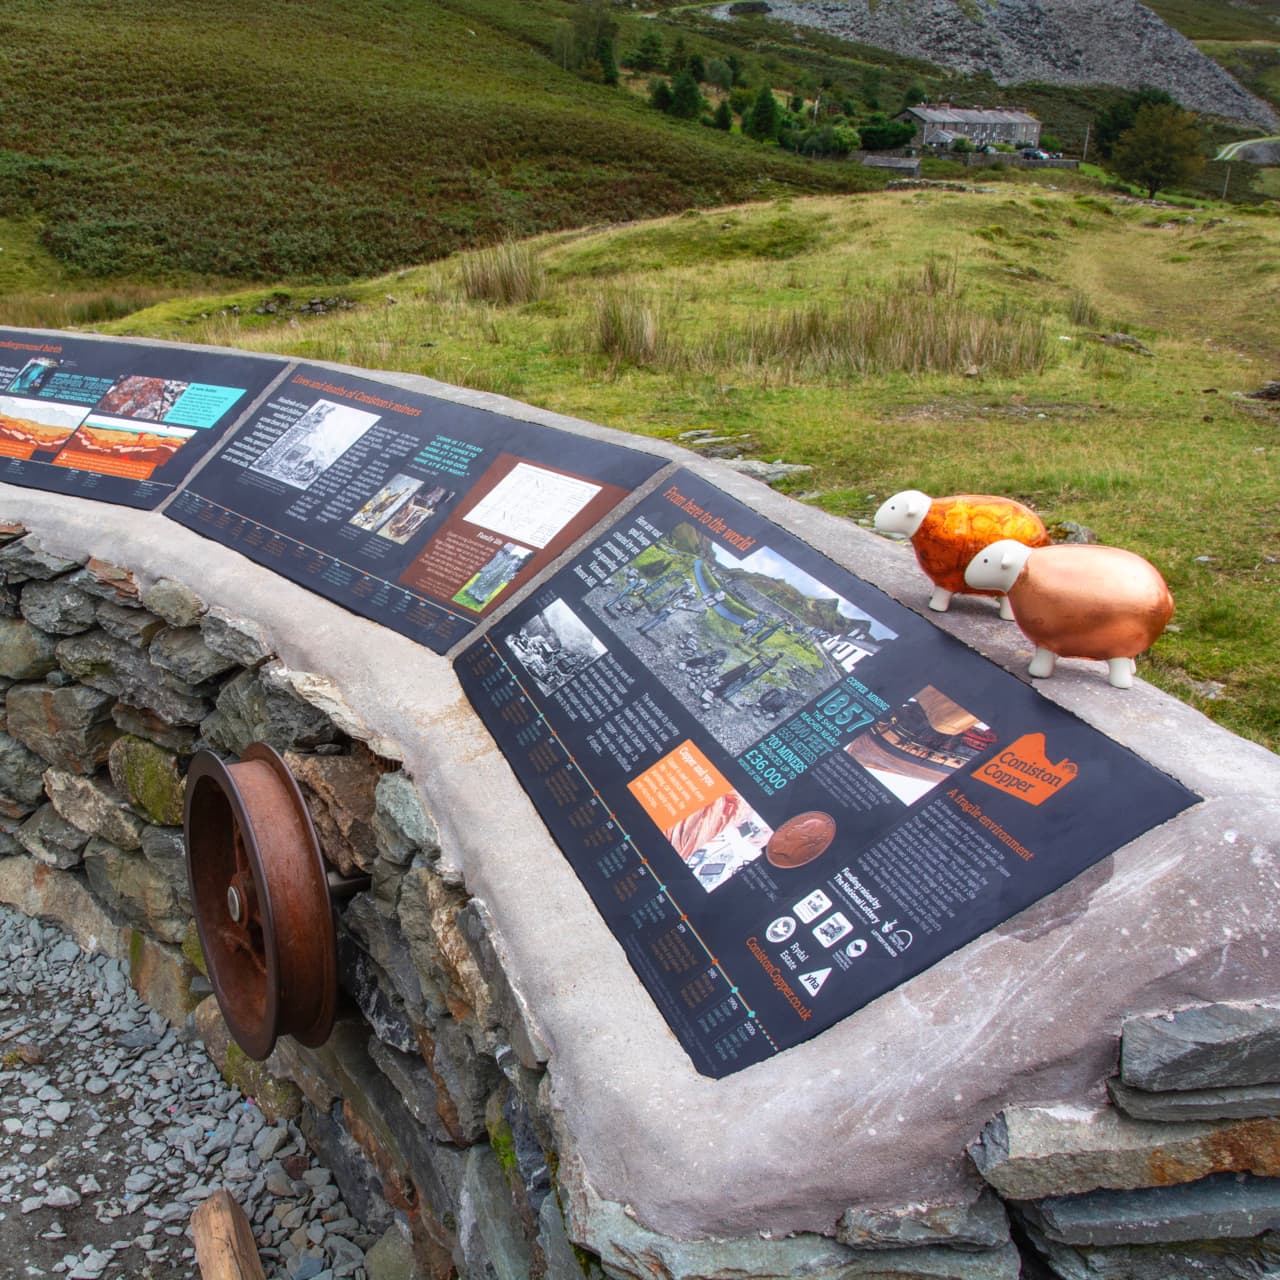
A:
(936, 339)
(1220, 19)
(334, 138)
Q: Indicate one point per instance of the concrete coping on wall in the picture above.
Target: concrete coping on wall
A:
(876, 1110)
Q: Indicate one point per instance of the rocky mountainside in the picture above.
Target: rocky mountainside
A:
(1118, 42)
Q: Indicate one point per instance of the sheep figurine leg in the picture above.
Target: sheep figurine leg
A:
(1042, 664)
(940, 601)
(1120, 672)
(1006, 610)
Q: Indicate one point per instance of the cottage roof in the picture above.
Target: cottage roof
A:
(968, 115)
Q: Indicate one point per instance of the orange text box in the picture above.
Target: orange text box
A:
(678, 786)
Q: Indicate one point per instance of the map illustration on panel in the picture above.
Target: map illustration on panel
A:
(120, 422)
(417, 512)
(785, 792)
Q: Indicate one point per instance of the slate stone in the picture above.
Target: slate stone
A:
(559, 1258)
(117, 667)
(1243, 1103)
(980, 1222)
(1207, 1047)
(163, 978)
(464, 1077)
(384, 941)
(27, 559)
(1028, 1153)
(93, 807)
(149, 778)
(1254, 1259)
(21, 778)
(165, 849)
(339, 791)
(320, 693)
(71, 728)
(141, 723)
(109, 581)
(174, 601)
(401, 825)
(131, 887)
(490, 1235)
(10, 599)
(247, 711)
(183, 651)
(353, 1171)
(265, 1082)
(508, 1009)
(528, 1165)
(392, 1257)
(1226, 1206)
(415, 1084)
(26, 652)
(241, 640)
(137, 627)
(58, 606)
(363, 980)
(629, 1249)
(51, 839)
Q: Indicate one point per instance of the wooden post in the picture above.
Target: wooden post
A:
(224, 1240)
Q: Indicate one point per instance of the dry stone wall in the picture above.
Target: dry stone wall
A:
(459, 1099)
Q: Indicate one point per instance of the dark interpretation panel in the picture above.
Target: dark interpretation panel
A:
(414, 511)
(116, 421)
(786, 793)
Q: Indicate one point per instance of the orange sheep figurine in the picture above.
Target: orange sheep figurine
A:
(947, 533)
(1078, 602)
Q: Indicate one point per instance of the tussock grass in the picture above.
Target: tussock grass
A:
(898, 332)
(509, 274)
(78, 307)
(626, 326)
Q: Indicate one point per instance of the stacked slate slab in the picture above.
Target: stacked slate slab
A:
(1178, 1177)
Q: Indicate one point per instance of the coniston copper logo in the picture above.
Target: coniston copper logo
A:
(1023, 769)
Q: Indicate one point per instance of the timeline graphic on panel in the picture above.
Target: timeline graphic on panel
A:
(417, 512)
(785, 792)
(116, 421)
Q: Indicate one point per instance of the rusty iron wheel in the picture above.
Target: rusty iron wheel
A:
(261, 900)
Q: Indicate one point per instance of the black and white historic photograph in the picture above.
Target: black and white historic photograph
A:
(314, 443)
(554, 645)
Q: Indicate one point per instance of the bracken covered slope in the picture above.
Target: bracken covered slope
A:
(1118, 42)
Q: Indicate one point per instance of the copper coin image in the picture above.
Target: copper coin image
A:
(801, 839)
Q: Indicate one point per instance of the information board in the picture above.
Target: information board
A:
(112, 420)
(417, 512)
(785, 792)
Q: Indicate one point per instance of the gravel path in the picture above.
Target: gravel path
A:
(114, 1127)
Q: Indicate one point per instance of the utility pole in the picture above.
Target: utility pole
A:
(1226, 182)
(1084, 155)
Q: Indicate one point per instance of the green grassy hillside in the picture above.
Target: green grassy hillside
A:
(1220, 19)
(336, 137)
(941, 339)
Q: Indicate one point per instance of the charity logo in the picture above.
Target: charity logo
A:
(812, 982)
(781, 929)
(1023, 770)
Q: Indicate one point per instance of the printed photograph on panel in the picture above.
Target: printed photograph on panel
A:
(30, 427)
(415, 513)
(742, 642)
(922, 744)
(497, 575)
(385, 503)
(33, 375)
(138, 397)
(314, 443)
(554, 645)
(720, 839)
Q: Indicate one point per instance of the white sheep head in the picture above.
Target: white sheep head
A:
(903, 513)
(996, 568)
